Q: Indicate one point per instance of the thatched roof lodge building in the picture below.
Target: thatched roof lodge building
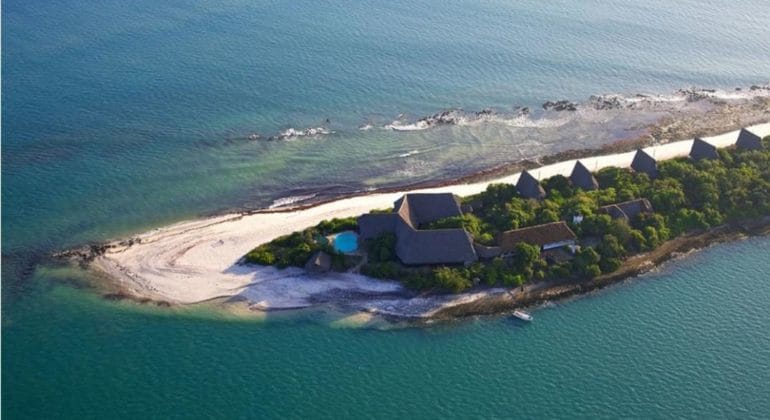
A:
(748, 140)
(628, 209)
(546, 236)
(583, 178)
(529, 187)
(415, 246)
(702, 150)
(645, 163)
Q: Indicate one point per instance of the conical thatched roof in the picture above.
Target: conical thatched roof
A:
(529, 187)
(702, 150)
(420, 208)
(583, 178)
(643, 162)
(748, 140)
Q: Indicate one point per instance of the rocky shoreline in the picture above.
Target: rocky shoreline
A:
(726, 117)
(502, 303)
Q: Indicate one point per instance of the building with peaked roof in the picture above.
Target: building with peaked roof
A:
(419, 209)
(319, 262)
(702, 150)
(645, 163)
(628, 209)
(529, 187)
(748, 140)
(583, 178)
(437, 246)
(547, 236)
(415, 246)
(373, 225)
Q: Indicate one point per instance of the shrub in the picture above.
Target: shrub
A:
(451, 279)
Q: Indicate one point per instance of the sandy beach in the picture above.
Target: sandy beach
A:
(197, 260)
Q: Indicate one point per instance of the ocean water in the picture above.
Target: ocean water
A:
(122, 116)
(690, 341)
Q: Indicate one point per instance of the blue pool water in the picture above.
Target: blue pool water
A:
(346, 242)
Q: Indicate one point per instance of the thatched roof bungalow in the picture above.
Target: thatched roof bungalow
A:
(320, 262)
(583, 178)
(702, 150)
(628, 209)
(748, 140)
(547, 236)
(529, 187)
(645, 163)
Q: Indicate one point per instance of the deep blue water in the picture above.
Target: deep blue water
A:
(122, 116)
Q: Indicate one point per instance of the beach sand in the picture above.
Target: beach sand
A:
(197, 260)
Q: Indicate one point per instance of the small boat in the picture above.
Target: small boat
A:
(522, 315)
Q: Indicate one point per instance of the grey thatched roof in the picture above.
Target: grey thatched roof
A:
(627, 209)
(371, 225)
(320, 261)
(536, 235)
(440, 246)
(702, 150)
(583, 178)
(529, 187)
(748, 140)
(613, 211)
(421, 208)
(643, 162)
(487, 252)
(420, 247)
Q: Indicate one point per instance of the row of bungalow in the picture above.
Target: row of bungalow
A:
(418, 246)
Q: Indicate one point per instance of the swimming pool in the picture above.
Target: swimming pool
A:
(346, 242)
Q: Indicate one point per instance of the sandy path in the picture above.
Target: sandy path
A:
(195, 261)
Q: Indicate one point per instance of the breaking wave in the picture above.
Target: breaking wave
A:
(550, 114)
(291, 133)
(287, 201)
(560, 112)
(409, 153)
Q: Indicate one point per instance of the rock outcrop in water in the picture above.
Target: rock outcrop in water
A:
(563, 105)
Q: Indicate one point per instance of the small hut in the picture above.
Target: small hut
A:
(702, 150)
(547, 236)
(628, 209)
(320, 262)
(748, 141)
(645, 163)
(529, 187)
(583, 178)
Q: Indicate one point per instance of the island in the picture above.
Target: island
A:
(482, 246)
(561, 228)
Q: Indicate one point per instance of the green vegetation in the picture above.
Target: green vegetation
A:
(686, 196)
(295, 249)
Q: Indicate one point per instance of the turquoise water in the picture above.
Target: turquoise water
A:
(346, 242)
(691, 341)
(124, 116)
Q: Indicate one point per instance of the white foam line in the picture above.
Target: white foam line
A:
(196, 260)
